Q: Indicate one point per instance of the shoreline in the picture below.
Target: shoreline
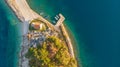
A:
(19, 12)
(68, 40)
(74, 42)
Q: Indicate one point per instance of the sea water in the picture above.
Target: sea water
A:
(10, 37)
(94, 24)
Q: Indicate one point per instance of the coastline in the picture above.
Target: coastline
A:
(68, 40)
(74, 42)
(26, 17)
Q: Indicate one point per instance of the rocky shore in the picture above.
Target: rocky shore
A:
(23, 61)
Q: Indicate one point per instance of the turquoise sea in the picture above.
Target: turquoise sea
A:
(94, 25)
(9, 37)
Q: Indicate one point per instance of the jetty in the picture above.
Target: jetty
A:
(60, 21)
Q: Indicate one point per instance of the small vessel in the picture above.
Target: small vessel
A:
(41, 13)
(54, 22)
(46, 17)
(56, 18)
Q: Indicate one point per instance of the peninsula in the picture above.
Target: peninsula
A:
(44, 44)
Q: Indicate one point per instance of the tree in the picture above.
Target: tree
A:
(52, 53)
(62, 56)
(72, 63)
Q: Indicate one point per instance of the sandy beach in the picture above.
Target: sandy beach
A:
(24, 12)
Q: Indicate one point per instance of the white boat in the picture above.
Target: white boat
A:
(54, 22)
(41, 13)
(56, 18)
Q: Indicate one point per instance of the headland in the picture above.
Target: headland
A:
(41, 31)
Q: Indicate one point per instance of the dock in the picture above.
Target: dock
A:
(60, 21)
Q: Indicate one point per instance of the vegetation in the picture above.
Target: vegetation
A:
(52, 53)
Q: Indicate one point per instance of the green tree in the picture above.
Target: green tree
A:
(41, 55)
(62, 56)
(72, 63)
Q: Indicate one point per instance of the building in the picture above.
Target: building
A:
(36, 25)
